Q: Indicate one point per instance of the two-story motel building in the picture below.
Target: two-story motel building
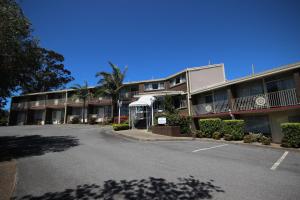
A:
(263, 100)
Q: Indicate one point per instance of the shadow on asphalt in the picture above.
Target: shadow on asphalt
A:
(151, 188)
(13, 147)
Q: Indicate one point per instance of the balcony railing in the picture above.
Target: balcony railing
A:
(128, 95)
(262, 101)
(55, 102)
(19, 106)
(214, 107)
(39, 103)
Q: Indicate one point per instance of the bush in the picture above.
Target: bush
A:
(291, 135)
(216, 135)
(253, 137)
(265, 140)
(75, 120)
(183, 122)
(228, 137)
(118, 127)
(209, 126)
(248, 139)
(198, 134)
(235, 128)
(92, 120)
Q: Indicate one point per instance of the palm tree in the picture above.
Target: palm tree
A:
(81, 92)
(110, 84)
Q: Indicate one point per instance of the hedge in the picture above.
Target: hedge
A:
(118, 127)
(210, 126)
(291, 135)
(235, 128)
(183, 122)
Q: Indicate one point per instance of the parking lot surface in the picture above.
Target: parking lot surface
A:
(92, 162)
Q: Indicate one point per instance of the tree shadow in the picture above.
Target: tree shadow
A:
(13, 147)
(151, 188)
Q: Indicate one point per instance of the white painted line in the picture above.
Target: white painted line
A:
(279, 160)
(209, 148)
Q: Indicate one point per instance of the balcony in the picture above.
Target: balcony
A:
(100, 101)
(127, 95)
(36, 104)
(281, 98)
(55, 102)
(19, 106)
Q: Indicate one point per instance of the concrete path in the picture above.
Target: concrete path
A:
(145, 135)
(89, 162)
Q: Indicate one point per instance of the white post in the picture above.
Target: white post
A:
(66, 104)
(129, 117)
(152, 115)
(147, 124)
(119, 104)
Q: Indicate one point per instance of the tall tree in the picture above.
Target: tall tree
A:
(82, 92)
(24, 65)
(48, 74)
(109, 84)
(15, 43)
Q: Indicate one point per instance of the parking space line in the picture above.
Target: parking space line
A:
(209, 148)
(277, 163)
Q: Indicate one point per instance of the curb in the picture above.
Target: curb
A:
(208, 140)
(8, 175)
(249, 144)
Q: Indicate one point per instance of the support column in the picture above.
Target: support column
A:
(66, 104)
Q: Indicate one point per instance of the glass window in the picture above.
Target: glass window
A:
(278, 85)
(208, 98)
(178, 80)
(257, 124)
(154, 86)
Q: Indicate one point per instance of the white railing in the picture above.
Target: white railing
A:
(269, 100)
(55, 102)
(214, 107)
(128, 95)
(261, 101)
(19, 106)
(38, 103)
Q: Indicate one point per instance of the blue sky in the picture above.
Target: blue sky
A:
(156, 38)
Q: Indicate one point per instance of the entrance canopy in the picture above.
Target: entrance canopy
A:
(146, 100)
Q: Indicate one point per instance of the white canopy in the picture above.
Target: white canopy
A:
(145, 100)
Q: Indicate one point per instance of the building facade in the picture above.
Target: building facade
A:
(59, 107)
(263, 100)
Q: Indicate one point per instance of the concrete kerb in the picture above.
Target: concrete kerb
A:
(272, 146)
(8, 179)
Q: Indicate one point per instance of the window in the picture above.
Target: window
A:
(180, 102)
(177, 80)
(283, 84)
(154, 86)
(257, 124)
(208, 99)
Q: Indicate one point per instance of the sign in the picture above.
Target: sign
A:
(208, 108)
(260, 101)
(162, 120)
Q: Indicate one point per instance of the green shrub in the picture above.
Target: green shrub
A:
(199, 134)
(253, 137)
(248, 139)
(75, 120)
(183, 122)
(209, 126)
(118, 127)
(228, 137)
(265, 140)
(216, 135)
(235, 128)
(291, 135)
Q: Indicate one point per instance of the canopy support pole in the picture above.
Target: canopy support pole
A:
(152, 115)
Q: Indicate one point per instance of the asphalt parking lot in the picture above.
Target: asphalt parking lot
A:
(89, 162)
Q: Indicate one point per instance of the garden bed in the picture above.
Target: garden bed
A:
(169, 131)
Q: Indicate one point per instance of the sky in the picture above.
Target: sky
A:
(157, 38)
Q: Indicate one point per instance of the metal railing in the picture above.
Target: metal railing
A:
(214, 107)
(39, 103)
(19, 106)
(55, 102)
(128, 95)
(261, 101)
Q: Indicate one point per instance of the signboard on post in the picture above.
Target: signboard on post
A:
(162, 120)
